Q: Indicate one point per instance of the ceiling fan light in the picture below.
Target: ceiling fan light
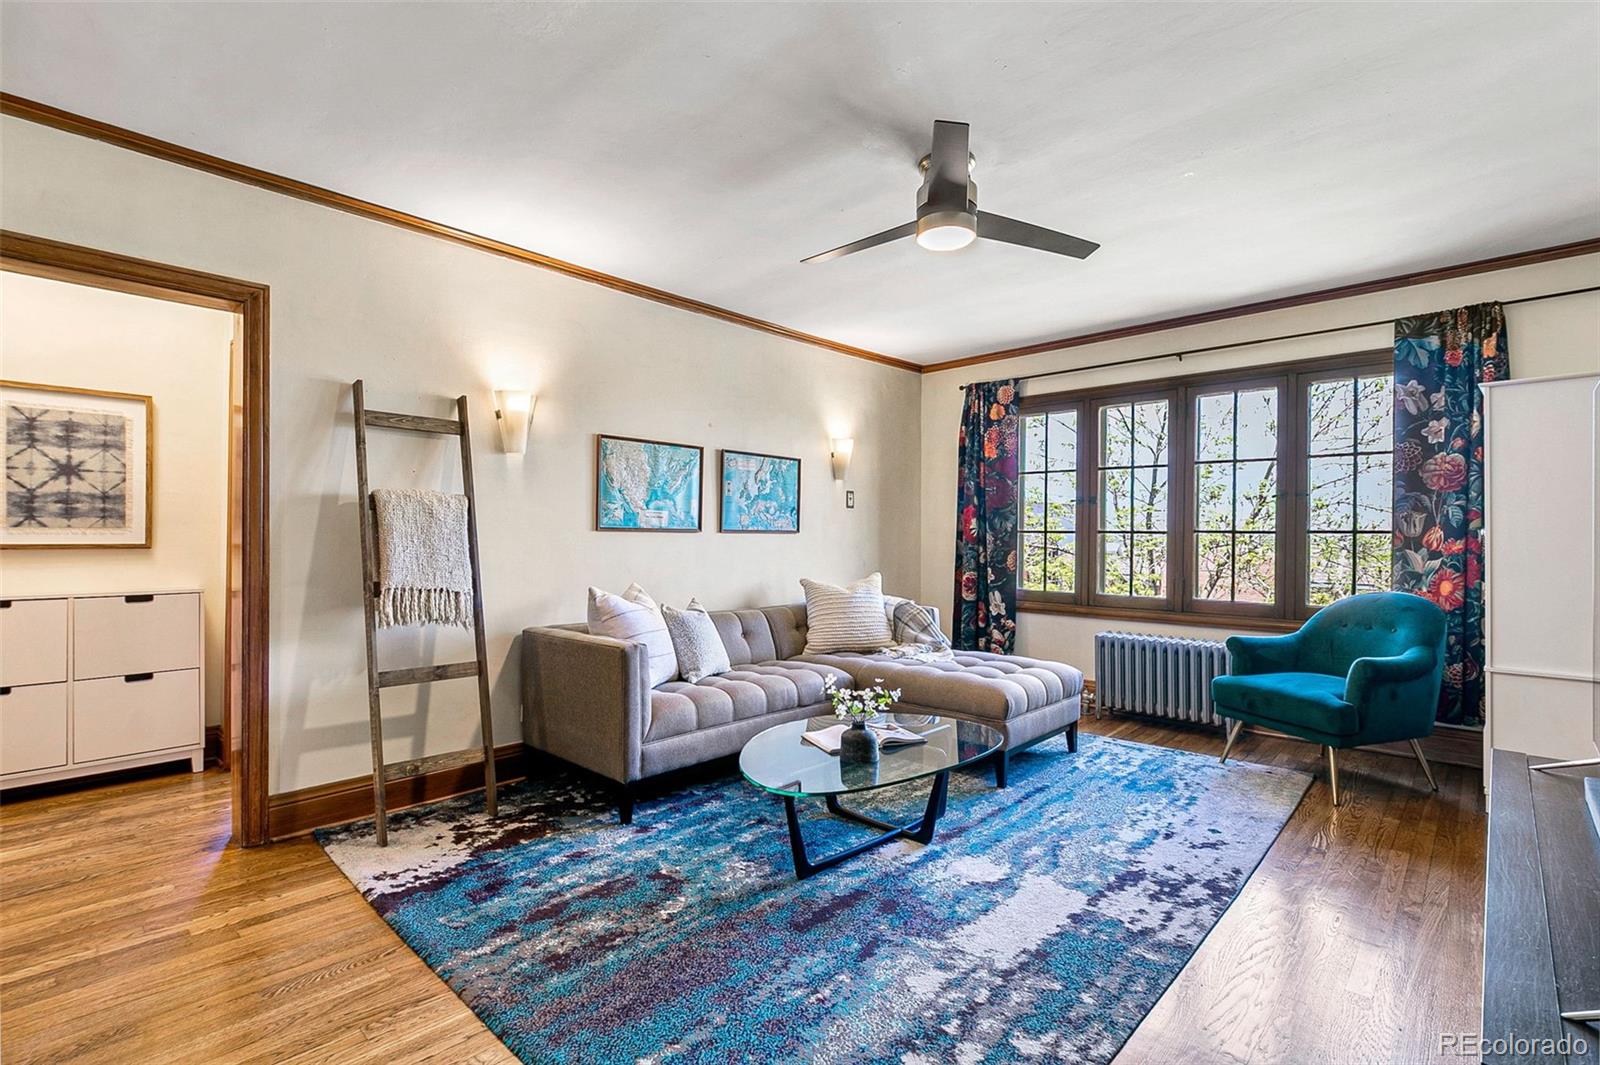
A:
(946, 230)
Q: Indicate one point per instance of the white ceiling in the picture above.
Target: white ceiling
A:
(1221, 153)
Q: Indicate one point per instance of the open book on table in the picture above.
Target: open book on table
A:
(889, 735)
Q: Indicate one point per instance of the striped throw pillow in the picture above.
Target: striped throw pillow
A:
(851, 618)
(634, 617)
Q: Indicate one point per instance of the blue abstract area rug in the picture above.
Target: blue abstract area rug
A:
(1042, 923)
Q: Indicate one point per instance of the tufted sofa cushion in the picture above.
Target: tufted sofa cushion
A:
(749, 690)
(789, 629)
(976, 683)
(746, 634)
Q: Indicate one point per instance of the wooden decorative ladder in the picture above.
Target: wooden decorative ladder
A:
(377, 679)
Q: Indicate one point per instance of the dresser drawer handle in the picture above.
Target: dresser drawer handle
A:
(5, 604)
(134, 678)
(5, 691)
(138, 599)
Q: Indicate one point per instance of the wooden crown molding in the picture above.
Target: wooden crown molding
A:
(1339, 292)
(56, 118)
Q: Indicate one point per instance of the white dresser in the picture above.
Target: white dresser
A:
(91, 683)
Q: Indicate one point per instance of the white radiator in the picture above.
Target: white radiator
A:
(1162, 675)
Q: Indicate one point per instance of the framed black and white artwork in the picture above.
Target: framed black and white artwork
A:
(78, 465)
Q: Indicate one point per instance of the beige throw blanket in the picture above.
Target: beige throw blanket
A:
(424, 569)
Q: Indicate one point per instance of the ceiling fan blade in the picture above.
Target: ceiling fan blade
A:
(1011, 231)
(909, 229)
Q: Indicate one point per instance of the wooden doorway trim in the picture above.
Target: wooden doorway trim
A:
(247, 710)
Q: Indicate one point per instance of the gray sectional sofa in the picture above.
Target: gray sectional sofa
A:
(586, 699)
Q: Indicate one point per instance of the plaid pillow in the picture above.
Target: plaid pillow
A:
(913, 624)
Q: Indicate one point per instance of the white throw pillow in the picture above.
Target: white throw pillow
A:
(633, 616)
(851, 618)
(696, 642)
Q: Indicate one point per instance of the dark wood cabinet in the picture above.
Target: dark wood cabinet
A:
(1541, 952)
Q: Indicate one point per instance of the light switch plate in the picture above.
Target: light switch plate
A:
(850, 499)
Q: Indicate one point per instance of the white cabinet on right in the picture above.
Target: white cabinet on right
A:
(1540, 517)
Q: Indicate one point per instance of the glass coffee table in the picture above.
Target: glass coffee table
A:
(780, 761)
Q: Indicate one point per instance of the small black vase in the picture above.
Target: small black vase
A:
(858, 745)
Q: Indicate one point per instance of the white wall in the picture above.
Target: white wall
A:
(1549, 337)
(421, 320)
(60, 334)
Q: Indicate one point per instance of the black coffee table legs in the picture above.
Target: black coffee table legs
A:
(918, 831)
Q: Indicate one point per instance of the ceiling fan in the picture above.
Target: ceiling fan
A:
(947, 209)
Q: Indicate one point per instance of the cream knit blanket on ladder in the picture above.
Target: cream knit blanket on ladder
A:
(424, 568)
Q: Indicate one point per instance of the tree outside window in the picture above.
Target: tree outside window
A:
(1349, 486)
(1236, 496)
(1049, 488)
(1134, 457)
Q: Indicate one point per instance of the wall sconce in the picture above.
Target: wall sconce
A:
(843, 448)
(513, 411)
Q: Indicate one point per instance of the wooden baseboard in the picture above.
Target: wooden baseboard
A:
(295, 813)
(213, 744)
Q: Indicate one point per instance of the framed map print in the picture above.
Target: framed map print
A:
(760, 493)
(78, 467)
(647, 485)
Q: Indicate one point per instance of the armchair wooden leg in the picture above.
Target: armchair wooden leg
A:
(1333, 776)
(1234, 728)
(1416, 746)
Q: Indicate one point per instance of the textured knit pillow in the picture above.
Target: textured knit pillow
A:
(851, 618)
(696, 642)
(913, 624)
(633, 616)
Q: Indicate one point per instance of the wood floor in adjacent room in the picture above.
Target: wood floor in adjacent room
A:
(129, 932)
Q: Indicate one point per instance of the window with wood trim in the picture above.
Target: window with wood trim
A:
(1235, 495)
(1049, 487)
(1135, 457)
(1262, 493)
(1349, 485)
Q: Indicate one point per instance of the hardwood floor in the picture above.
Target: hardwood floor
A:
(130, 932)
(1360, 936)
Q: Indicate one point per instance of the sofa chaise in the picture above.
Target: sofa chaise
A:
(586, 698)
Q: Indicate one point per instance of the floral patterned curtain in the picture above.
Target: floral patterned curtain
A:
(986, 519)
(1439, 361)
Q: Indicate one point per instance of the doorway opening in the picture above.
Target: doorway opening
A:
(241, 730)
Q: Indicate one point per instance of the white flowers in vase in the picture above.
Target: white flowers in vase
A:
(859, 705)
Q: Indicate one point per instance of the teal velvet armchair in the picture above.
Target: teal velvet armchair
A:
(1365, 669)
